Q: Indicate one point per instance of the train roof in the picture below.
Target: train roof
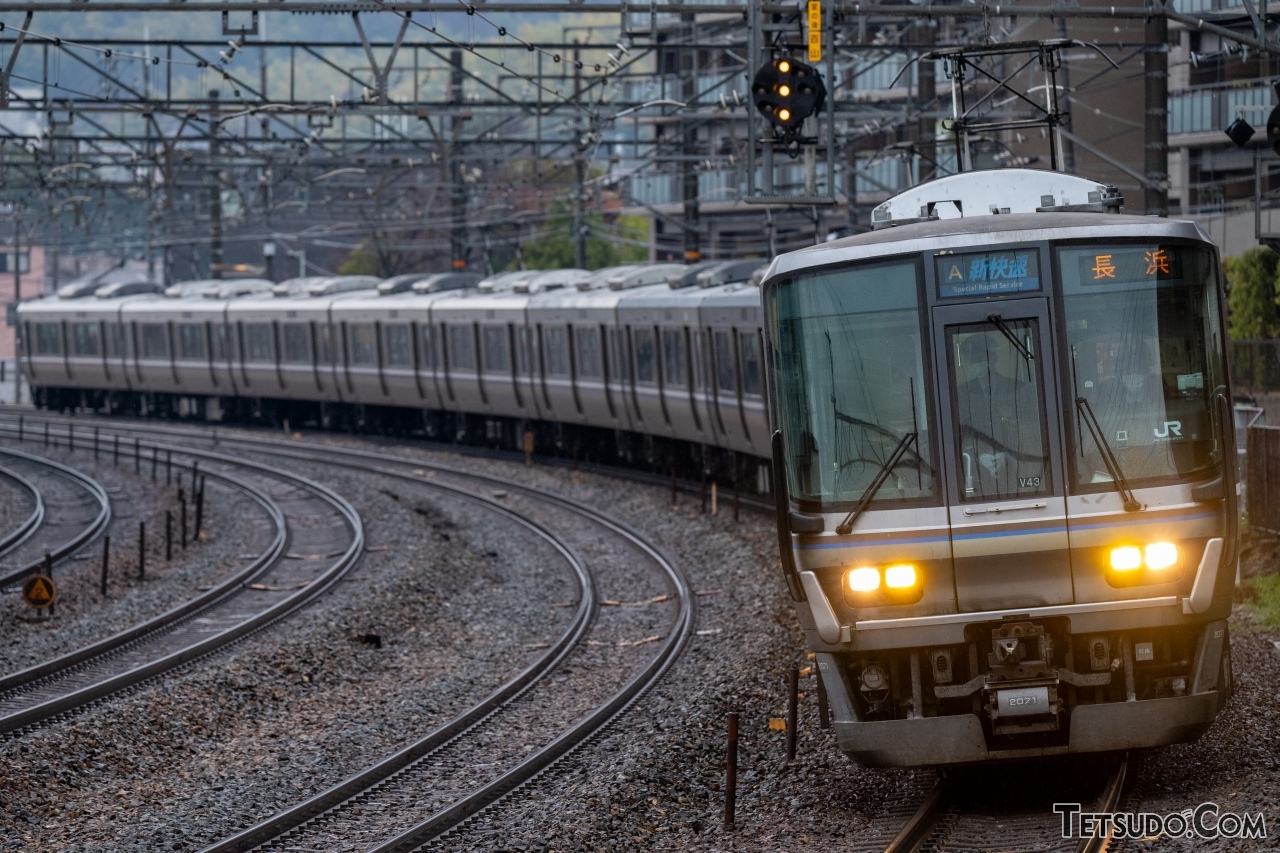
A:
(978, 230)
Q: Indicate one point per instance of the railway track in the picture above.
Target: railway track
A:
(433, 784)
(74, 509)
(319, 537)
(968, 813)
(27, 526)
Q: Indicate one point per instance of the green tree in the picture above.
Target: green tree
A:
(1251, 295)
(624, 241)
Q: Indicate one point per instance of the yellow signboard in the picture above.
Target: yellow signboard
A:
(815, 30)
(39, 591)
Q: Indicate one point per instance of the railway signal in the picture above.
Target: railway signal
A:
(787, 92)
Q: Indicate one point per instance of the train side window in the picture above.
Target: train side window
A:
(48, 339)
(324, 343)
(399, 353)
(462, 355)
(363, 347)
(646, 372)
(296, 350)
(725, 379)
(522, 351)
(750, 350)
(155, 342)
(190, 342)
(556, 355)
(115, 341)
(589, 363)
(258, 338)
(86, 339)
(675, 366)
(426, 350)
(219, 342)
(494, 344)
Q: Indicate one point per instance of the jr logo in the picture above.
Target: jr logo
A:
(1174, 427)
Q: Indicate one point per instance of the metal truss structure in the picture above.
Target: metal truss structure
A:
(451, 129)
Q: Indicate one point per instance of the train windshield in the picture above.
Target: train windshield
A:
(1142, 352)
(849, 373)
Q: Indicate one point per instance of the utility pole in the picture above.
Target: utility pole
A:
(579, 173)
(215, 202)
(1156, 114)
(457, 185)
(689, 150)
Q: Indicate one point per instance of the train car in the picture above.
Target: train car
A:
(731, 321)
(1006, 509)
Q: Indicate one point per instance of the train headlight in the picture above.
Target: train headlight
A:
(900, 576)
(864, 579)
(1162, 555)
(1126, 558)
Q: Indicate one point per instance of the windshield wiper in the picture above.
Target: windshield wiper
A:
(846, 526)
(1108, 458)
(998, 321)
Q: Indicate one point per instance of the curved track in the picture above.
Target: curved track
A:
(317, 523)
(71, 499)
(19, 534)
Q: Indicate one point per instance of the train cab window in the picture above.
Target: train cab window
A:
(999, 410)
(155, 340)
(494, 346)
(1143, 352)
(48, 339)
(590, 365)
(725, 377)
(646, 367)
(190, 342)
(86, 339)
(294, 337)
(219, 342)
(396, 345)
(675, 365)
(462, 353)
(555, 351)
(258, 341)
(361, 344)
(849, 370)
(750, 350)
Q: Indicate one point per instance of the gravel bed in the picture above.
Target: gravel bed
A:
(456, 603)
(233, 526)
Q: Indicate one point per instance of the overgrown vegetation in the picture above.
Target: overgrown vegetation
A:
(623, 241)
(1251, 295)
(1262, 595)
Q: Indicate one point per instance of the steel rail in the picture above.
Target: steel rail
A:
(1107, 803)
(343, 792)
(267, 616)
(24, 530)
(918, 826)
(85, 536)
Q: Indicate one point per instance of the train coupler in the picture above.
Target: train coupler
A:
(1021, 692)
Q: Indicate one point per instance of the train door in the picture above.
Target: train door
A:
(1006, 495)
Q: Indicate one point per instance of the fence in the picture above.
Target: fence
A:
(1262, 498)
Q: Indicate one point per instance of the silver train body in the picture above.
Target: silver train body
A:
(1008, 516)
(620, 355)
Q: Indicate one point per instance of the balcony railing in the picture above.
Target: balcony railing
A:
(1213, 108)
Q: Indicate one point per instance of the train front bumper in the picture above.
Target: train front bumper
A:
(959, 739)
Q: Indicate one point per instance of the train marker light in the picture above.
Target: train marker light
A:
(1126, 558)
(786, 93)
(864, 579)
(900, 576)
(1162, 555)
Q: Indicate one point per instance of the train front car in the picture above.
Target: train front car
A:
(1006, 474)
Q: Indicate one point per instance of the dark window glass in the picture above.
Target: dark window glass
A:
(750, 344)
(86, 339)
(191, 342)
(325, 351)
(999, 411)
(674, 363)
(555, 351)
(588, 340)
(427, 348)
(258, 344)
(462, 354)
(363, 346)
(725, 363)
(296, 350)
(48, 339)
(155, 343)
(398, 350)
(1144, 352)
(115, 341)
(219, 342)
(494, 343)
(646, 372)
